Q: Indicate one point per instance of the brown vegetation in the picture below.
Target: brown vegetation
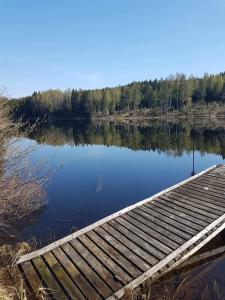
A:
(21, 185)
(21, 193)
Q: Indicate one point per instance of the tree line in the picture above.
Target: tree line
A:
(176, 92)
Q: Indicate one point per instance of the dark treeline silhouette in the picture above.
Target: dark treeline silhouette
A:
(171, 138)
(158, 96)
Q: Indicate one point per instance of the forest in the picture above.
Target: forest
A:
(174, 93)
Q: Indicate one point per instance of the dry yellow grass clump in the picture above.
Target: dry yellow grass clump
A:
(11, 283)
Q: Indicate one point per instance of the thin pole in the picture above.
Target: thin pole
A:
(193, 148)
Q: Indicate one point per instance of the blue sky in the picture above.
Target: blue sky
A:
(96, 43)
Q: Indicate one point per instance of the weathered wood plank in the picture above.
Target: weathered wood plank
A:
(62, 277)
(158, 249)
(143, 277)
(218, 178)
(132, 270)
(88, 272)
(119, 274)
(96, 265)
(176, 215)
(171, 224)
(201, 257)
(53, 286)
(130, 245)
(210, 192)
(209, 212)
(31, 277)
(139, 241)
(132, 257)
(75, 274)
(198, 199)
(161, 227)
(198, 213)
(189, 214)
(157, 235)
(192, 207)
(211, 183)
(181, 212)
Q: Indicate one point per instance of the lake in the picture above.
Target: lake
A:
(103, 167)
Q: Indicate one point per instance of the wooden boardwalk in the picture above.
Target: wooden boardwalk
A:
(134, 245)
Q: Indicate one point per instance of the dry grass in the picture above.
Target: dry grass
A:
(11, 283)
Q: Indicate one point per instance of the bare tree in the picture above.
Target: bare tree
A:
(21, 183)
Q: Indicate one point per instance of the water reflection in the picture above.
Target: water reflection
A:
(171, 138)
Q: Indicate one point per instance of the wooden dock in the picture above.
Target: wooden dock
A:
(133, 246)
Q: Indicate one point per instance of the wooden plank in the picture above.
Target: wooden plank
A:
(205, 201)
(200, 200)
(181, 212)
(210, 192)
(49, 279)
(211, 182)
(216, 177)
(203, 194)
(199, 219)
(205, 210)
(159, 238)
(201, 257)
(93, 278)
(31, 277)
(95, 264)
(219, 180)
(153, 252)
(87, 290)
(150, 260)
(221, 175)
(193, 207)
(63, 277)
(115, 255)
(142, 217)
(171, 223)
(133, 258)
(206, 193)
(158, 249)
(208, 181)
(118, 273)
(219, 171)
(98, 223)
(180, 217)
(198, 213)
(142, 278)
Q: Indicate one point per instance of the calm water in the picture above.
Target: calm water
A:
(108, 166)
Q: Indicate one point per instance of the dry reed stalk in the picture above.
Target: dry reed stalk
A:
(21, 193)
(21, 183)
